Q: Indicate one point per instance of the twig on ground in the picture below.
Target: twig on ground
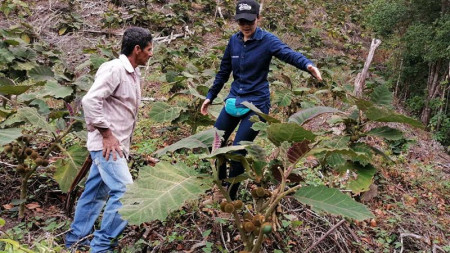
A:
(74, 246)
(403, 235)
(324, 236)
(435, 247)
(8, 164)
(223, 239)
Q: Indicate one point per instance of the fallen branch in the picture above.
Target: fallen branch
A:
(419, 237)
(223, 238)
(186, 33)
(324, 236)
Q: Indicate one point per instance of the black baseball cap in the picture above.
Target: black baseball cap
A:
(247, 9)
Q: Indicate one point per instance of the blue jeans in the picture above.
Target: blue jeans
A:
(106, 184)
(245, 132)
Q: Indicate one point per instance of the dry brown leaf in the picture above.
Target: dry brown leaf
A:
(8, 206)
(32, 205)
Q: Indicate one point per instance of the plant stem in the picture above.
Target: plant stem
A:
(278, 199)
(237, 219)
(24, 184)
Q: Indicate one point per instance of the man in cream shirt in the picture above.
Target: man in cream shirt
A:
(110, 108)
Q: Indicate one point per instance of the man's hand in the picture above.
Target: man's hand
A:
(205, 105)
(315, 72)
(110, 144)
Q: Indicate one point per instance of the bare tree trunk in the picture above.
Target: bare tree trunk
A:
(361, 77)
(398, 79)
(434, 88)
(445, 4)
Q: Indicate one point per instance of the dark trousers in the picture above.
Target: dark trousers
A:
(245, 132)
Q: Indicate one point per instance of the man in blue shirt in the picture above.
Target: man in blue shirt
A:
(248, 55)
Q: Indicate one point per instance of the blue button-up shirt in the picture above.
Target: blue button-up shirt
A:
(249, 61)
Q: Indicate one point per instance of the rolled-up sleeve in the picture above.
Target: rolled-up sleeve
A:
(106, 81)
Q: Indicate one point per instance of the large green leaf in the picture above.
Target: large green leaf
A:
(163, 112)
(195, 93)
(97, 61)
(268, 118)
(4, 113)
(364, 177)
(42, 105)
(363, 151)
(67, 168)
(8, 135)
(224, 150)
(357, 153)
(56, 90)
(41, 73)
(161, 190)
(386, 132)
(32, 116)
(335, 160)
(380, 114)
(290, 132)
(254, 150)
(322, 198)
(336, 142)
(6, 56)
(202, 139)
(309, 113)
(283, 98)
(13, 89)
(381, 96)
(6, 81)
(29, 115)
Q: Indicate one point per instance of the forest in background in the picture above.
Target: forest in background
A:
(50, 51)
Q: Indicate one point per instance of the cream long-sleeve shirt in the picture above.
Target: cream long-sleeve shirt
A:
(112, 102)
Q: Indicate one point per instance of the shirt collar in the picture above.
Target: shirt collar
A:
(126, 63)
(256, 36)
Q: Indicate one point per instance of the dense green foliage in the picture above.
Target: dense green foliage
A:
(418, 34)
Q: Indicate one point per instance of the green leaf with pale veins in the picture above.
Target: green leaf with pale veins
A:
(309, 113)
(254, 150)
(290, 132)
(224, 150)
(41, 73)
(202, 139)
(9, 135)
(283, 98)
(31, 116)
(268, 118)
(386, 132)
(364, 177)
(13, 89)
(161, 190)
(162, 112)
(260, 126)
(56, 90)
(67, 168)
(6, 82)
(364, 153)
(381, 96)
(380, 114)
(322, 198)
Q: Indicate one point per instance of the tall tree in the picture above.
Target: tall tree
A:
(420, 31)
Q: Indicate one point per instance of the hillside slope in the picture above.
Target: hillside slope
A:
(411, 196)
